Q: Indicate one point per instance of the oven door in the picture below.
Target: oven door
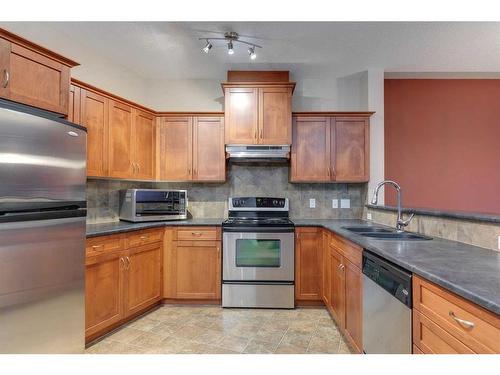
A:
(258, 254)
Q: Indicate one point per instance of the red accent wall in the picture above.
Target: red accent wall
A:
(442, 143)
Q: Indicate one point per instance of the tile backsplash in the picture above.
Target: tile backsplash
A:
(209, 200)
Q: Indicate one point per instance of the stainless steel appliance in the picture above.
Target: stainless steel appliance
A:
(387, 302)
(258, 254)
(258, 153)
(138, 205)
(42, 232)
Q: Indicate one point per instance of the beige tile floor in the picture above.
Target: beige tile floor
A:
(213, 330)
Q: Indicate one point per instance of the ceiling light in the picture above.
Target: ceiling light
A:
(251, 52)
(230, 50)
(207, 47)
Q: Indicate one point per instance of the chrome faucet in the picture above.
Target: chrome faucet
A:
(400, 223)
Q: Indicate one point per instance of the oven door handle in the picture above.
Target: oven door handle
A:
(258, 229)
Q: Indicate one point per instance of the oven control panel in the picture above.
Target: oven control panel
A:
(257, 202)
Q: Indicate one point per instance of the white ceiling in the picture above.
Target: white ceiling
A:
(169, 50)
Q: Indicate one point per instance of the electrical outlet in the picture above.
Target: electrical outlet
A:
(312, 203)
(345, 203)
(335, 203)
(368, 216)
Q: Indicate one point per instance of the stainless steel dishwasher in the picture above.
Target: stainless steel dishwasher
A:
(387, 302)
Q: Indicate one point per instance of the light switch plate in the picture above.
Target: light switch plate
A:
(345, 203)
(335, 203)
(312, 203)
(368, 216)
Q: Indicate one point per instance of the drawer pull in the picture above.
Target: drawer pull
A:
(464, 323)
(197, 234)
(144, 237)
(96, 247)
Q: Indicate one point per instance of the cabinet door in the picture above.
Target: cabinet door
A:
(197, 273)
(95, 117)
(33, 79)
(350, 156)
(209, 163)
(241, 115)
(307, 264)
(143, 284)
(275, 116)
(337, 287)
(326, 277)
(353, 305)
(103, 291)
(310, 149)
(144, 145)
(120, 140)
(74, 106)
(175, 149)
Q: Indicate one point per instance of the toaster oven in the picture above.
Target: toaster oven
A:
(138, 205)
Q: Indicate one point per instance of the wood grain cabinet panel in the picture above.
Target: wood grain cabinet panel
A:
(337, 287)
(33, 78)
(143, 143)
(241, 115)
(120, 140)
(143, 283)
(175, 152)
(275, 116)
(95, 117)
(310, 155)
(209, 163)
(308, 266)
(353, 305)
(74, 105)
(326, 277)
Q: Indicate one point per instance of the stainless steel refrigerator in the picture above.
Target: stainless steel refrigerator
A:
(42, 232)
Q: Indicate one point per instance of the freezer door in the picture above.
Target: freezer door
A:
(41, 160)
(42, 301)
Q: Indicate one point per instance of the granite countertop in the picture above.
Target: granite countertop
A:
(470, 271)
(94, 230)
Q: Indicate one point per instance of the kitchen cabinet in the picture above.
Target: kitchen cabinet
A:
(258, 113)
(123, 276)
(95, 117)
(337, 287)
(74, 104)
(33, 75)
(120, 140)
(191, 148)
(326, 276)
(444, 323)
(330, 149)
(193, 261)
(308, 265)
(143, 145)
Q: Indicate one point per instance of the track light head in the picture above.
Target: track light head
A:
(207, 47)
(251, 53)
(230, 50)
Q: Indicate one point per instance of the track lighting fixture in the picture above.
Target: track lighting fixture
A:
(231, 38)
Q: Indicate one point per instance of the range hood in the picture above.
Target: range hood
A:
(258, 153)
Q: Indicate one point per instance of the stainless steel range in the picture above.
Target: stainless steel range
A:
(258, 254)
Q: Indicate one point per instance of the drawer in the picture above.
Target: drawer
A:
(98, 245)
(198, 234)
(143, 237)
(351, 251)
(476, 327)
(430, 338)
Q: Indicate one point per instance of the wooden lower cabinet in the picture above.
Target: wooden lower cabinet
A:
(326, 278)
(308, 265)
(337, 288)
(353, 305)
(192, 263)
(120, 281)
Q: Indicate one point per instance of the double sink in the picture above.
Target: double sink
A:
(385, 234)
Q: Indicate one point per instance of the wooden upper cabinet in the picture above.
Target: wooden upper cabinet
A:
(310, 149)
(330, 148)
(120, 140)
(95, 117)
(74, 105)
(241, 115)
(350, 149)
(209, 163)
(275, 116)
(308, 265)
(33, 75)
(143, 142)
(175, 148)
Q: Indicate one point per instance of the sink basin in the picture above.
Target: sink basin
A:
(404, 236)
(367, 229)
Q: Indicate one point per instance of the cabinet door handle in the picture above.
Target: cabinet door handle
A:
(255, 134)
(122, 261)
(218, 251)
(96, 246)
(464, 323)
(144, 237)
(197, 234)
(261, 134)
(138, 167)
(128, 262)
(6, 78)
